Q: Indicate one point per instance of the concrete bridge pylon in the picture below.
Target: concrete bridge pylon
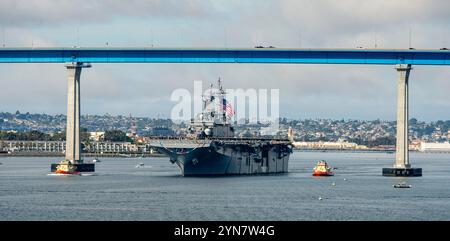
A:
(73, 157)
(402, 167)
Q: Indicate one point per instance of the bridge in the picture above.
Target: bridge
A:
(76, 59)
(255, 55)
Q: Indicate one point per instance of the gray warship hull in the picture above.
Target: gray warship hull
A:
(226, 156)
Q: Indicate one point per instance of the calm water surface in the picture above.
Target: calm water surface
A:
(119, 191)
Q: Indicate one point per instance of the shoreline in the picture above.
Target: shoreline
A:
(55, 154)
(138, 155)
(364, 151)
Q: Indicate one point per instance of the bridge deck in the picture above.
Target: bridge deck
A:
(253, 55)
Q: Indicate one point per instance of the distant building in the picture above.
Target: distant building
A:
(38, 146)
(325, 145)
(415, 145)
(113, 147)
(97, 135)
(60, 146)
(434, 147)
(142, 139)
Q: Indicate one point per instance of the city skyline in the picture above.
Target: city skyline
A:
(131, 116)
(306, 91)
(360, 131)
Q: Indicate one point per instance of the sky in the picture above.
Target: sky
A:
(306, 91)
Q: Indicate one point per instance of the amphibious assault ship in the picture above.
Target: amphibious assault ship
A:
(211, 148)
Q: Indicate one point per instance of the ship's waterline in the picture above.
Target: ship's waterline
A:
(230, 160)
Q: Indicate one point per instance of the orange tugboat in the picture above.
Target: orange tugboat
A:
(66, 168)
(322, 169)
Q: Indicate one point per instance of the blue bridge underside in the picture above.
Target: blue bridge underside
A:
(257, 55)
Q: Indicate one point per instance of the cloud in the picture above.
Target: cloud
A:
(329, 23)
(305, 90)
(352, 15)
(56, 12)
(24, 38)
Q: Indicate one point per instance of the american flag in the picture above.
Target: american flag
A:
(227, 107)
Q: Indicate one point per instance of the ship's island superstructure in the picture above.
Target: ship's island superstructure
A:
(211, 148)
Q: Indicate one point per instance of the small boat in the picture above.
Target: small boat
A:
(96, 160)
(66, 168)
(402, 185)
(322, 169)
(140, 165)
